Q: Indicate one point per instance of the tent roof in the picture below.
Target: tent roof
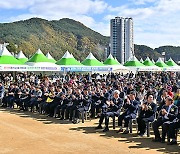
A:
(90, 56)
(5, 52)
(171, 62)
(38, 57)
(111, 61)
(153, 61)
(133, 62)
(141, 60)
(68, 55)
(51, 59)
(23, 60)
(110, 56)
(21, 55)
(91, 61)
(148, 62)
(68, 59)
(160, 63)
(7, 58)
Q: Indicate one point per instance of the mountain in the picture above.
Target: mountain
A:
(171, 51)
(57, 36)
(142, 51)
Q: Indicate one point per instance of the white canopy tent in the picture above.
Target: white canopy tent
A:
(39, 62)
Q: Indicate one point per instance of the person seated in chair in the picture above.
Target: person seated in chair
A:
(77, 99)
(84, 106)
(67, 103)
(10, 96)
(168, 113)
(131, 107)
(56, 101)
(24, 96)
(111, 108)
(49, 100)
(95, 95)
(146, 114)
(31, 93)
(175, 125)
(36, 98)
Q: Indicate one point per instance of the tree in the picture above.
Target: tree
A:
(12, 47)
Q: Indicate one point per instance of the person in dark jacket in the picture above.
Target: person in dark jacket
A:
(112, 108)
(56, 101)
(67, 104)
(146, 114)
(2, 90)
(131, 107)
(10, 96)
(168, 113)
(83, 106)
(173, 128)
(95, 95)
(77, 99)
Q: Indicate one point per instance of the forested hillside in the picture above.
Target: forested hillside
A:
(57, 36)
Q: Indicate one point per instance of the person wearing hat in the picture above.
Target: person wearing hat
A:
(168, 113)
(111, 108)
(131, 107)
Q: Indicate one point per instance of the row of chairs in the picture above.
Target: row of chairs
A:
(87, 114)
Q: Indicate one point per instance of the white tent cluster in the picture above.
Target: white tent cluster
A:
(40, 62)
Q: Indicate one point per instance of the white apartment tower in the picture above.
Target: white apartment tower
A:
(121, 39)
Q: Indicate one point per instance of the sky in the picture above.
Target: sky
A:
(156, 22)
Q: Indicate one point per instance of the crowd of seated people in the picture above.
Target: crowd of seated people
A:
(144, 97)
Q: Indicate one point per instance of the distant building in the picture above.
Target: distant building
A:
(129, 38)
(107, 52)
(121, 39)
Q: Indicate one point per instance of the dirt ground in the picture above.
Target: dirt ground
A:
(31, 133)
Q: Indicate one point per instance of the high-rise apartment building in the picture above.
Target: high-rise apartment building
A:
(121, 39)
